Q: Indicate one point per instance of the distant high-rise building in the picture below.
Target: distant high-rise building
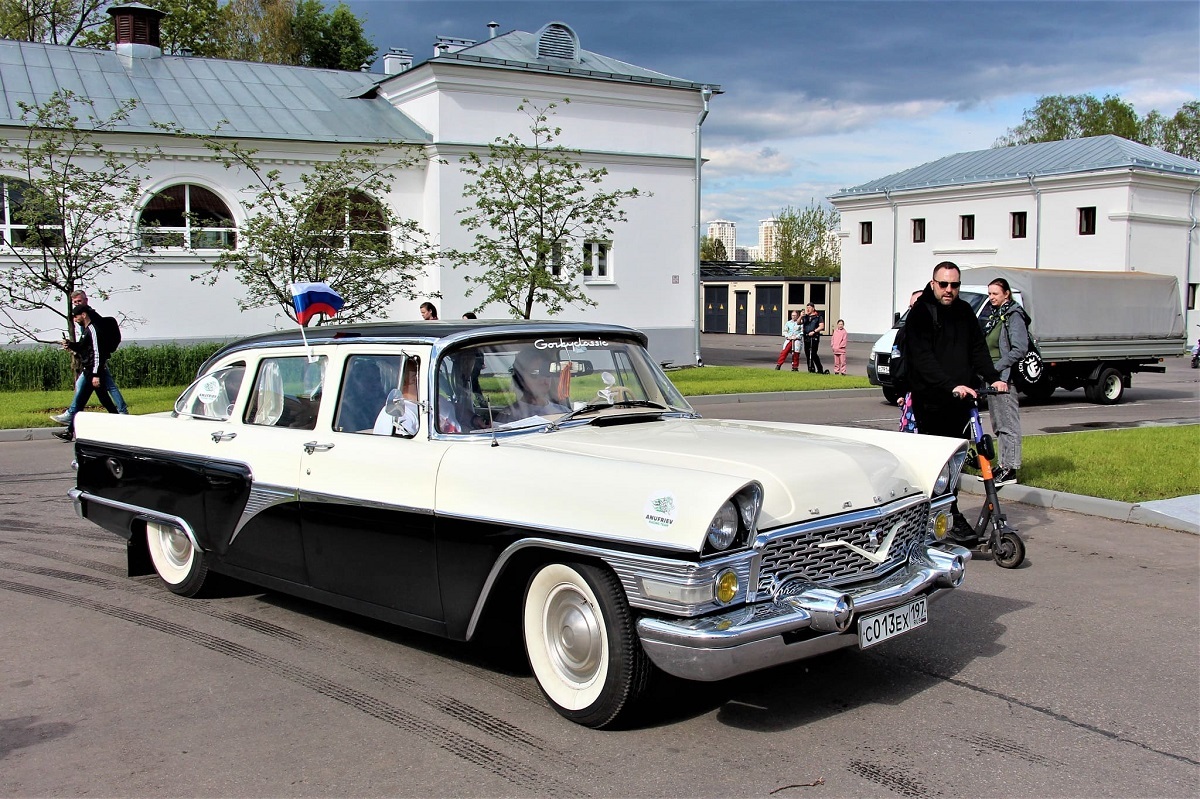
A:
(766, 239)
(724, 231)
(754, 253)
(741, 254)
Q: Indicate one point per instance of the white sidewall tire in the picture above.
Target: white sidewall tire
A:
(177, 562)
(572, 669)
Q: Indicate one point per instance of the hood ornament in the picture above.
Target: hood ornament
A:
(876, 557)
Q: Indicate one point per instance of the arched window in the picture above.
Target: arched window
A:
(29, 221)
(190, 216)
(350, 221)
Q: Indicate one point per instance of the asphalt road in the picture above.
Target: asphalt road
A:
(1075, 675)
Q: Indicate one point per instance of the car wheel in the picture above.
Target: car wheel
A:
(1110, 387)
(581, 643)
(1039, 391)
(180, 565)
(891, 396)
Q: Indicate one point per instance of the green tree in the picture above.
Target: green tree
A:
(533, 206)
(327, 227)
(50, 21)
(1056, 117)
(712, 249)
(198, 26)
(70, 212)
(806, 242)
(298, 32)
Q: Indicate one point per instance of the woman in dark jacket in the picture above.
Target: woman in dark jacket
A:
(1007, 334)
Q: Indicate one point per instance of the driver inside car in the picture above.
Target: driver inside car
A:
(535, 385)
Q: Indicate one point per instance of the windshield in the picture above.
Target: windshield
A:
(977, 301)
(505, 385)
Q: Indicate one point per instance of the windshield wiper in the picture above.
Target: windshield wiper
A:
(599, 406)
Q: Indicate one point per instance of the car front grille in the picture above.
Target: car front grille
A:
(793, 558)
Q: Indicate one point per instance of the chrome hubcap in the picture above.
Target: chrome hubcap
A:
(176, 546)
(574, 637)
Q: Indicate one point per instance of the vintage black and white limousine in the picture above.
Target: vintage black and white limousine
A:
(452, 476)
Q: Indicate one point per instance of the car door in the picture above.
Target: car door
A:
(253, 465)
(367, 493)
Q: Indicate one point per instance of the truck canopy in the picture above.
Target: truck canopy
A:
(1072, 308)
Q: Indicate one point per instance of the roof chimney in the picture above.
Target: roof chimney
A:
(136, 28)
(397, 60)
(492, 29)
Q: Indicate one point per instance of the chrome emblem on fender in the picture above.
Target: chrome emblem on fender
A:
(879, 555)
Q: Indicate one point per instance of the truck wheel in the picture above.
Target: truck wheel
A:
(890, 395)
(582, 644)
(1109, 387)
(1039, 391)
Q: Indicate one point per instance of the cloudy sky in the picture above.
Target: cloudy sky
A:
(819, 96)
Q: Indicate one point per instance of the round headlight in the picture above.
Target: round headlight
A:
(727, 586)
(724, 526)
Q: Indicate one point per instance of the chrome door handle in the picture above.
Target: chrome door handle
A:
(312, 446)
(221, 435)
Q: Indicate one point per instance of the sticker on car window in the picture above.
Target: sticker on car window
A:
(660, 510)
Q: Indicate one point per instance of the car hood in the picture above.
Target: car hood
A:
(610, 477)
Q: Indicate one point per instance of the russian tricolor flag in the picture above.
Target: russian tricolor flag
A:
(310, 299)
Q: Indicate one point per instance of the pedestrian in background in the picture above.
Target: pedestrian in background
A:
(1007, 333)
(93, 349)
(838, 343)
(792, 331)
(429, 312)
(79, 298)
(814, 325)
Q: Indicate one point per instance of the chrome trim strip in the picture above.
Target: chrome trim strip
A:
(629, 567)
(750, 637)
(262, 497)
(322, 498)
(146, 514)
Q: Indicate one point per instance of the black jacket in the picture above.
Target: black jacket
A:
(945, 347)
(93, 349)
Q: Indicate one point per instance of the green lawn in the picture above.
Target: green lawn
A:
(1130, 465)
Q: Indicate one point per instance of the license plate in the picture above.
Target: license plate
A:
(883, 369)
(879, 627)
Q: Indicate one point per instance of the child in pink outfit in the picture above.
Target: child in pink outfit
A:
(839, 348)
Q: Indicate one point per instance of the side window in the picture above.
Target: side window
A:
(213, 395)
(367, 382)
(287, 393)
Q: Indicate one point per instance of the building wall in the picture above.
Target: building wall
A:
(1143, 223)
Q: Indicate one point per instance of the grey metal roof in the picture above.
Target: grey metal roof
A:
(1046, 158)
(257, 101)
(519, 50)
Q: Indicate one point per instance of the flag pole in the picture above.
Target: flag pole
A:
(308, 346)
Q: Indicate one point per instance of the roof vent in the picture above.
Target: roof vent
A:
(136, 28)
(451, 44)
(397, 60)
(557, 40)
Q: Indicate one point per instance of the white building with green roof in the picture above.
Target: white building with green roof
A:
(1099, 203)
(639, 124)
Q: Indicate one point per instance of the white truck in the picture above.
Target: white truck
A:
(1094, 329)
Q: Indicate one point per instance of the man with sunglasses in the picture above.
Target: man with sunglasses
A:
(947, 357)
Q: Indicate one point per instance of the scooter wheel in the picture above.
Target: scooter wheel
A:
(1010, 551)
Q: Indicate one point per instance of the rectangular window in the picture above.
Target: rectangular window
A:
(366, 384)
(1020, 220)
(816, 294)
(864, 230)
(287, 393)
(918, 231)
(966, 224)
(597, 261)
(555, 262)
(795, 293)
(1087, 221)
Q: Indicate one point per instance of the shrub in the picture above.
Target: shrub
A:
(132, 366)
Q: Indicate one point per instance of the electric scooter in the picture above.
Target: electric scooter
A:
(993, 535)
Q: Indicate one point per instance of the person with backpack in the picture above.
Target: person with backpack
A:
(78, 298)
(93, 349)
(1007, 333)
(946, 355)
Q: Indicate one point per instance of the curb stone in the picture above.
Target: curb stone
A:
(1089, 506)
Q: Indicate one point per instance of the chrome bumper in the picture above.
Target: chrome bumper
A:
(766, 634)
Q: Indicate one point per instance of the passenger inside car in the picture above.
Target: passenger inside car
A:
(363, 395)
(536, 384)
